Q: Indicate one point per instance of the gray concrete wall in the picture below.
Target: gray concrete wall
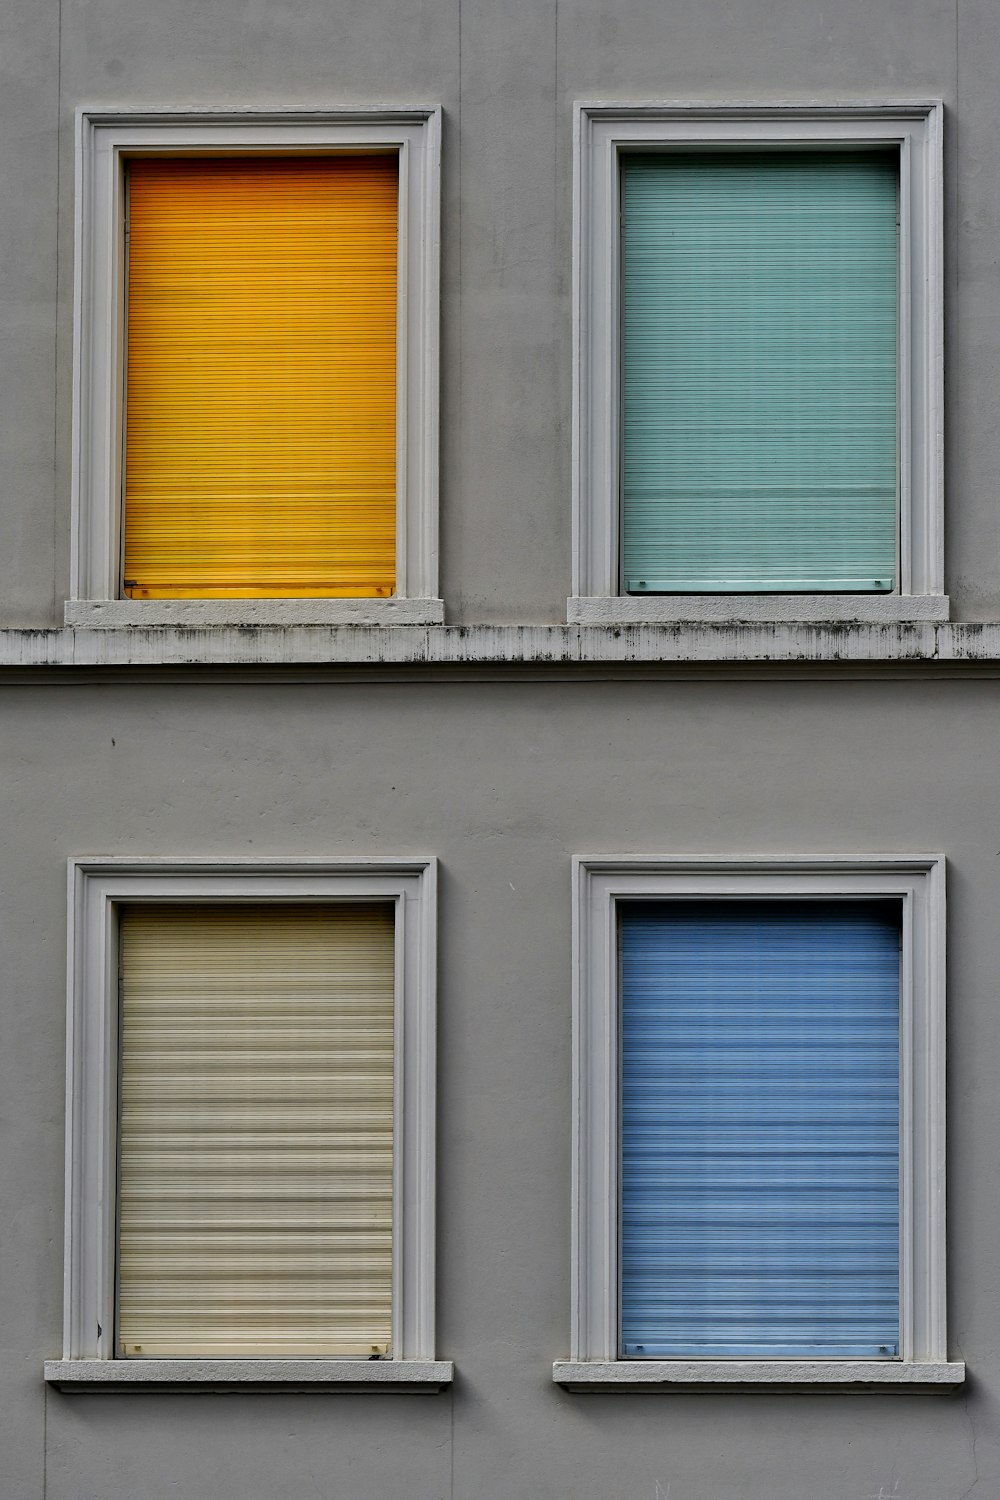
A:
(504, 781)
(507, 74)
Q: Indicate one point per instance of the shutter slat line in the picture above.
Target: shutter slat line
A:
(759, 369)
(261, 377)
(256, 1130)
(760, 1129)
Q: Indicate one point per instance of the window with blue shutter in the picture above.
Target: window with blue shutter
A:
(760, 448)
(759, 1172)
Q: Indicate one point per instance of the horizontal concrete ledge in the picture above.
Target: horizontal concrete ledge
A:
(716, 609)
(804, 1376)
(197, 614)
(337, 1376)
(618, 647)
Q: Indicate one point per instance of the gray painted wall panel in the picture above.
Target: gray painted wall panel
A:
(29, 189)
(507, 77)
(504, 782)
(242, 50)
(780, 50)
(239, 1448)
(508, 554)
(973, 350)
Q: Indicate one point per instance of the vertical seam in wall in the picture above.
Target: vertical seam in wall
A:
(457, 388)
(956, 200)
(557, 270)
(55, 318)
(950, 291)
(555, 140)
(460, 289)
(451, 1406)
(55, 511)
(55, 507)
(555, 134)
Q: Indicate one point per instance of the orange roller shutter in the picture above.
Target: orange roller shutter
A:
(260, 405)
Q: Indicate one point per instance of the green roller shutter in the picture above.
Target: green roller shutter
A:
(759, 364)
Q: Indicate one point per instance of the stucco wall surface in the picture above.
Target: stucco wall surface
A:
(507, 75)
(504, 782)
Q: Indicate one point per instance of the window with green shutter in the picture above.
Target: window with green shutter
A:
(759, 339)
(758, 383)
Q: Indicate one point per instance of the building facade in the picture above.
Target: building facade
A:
(643, 708)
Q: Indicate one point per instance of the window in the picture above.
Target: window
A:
(256, 375)
(759, 1132)
(758, 363)
(250, 1175)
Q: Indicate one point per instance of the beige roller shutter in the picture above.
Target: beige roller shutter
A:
(256, 1130)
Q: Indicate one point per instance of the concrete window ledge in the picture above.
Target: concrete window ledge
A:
(237, 614)
(336, 1376)
(804, 1376)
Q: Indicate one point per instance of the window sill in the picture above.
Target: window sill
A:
(336, 1376)
(714, 609)
(804, 1376)
(196, 613)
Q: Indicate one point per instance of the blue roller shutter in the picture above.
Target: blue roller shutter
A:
(760, 1129)
(759, 367)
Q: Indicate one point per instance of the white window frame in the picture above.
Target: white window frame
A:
(97, 889)
(599, 885)
(104, 141)
(602, 132)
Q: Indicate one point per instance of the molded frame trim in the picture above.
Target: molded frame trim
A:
(601, 131)
(917, 881)
(97, 886)
(104, 140)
